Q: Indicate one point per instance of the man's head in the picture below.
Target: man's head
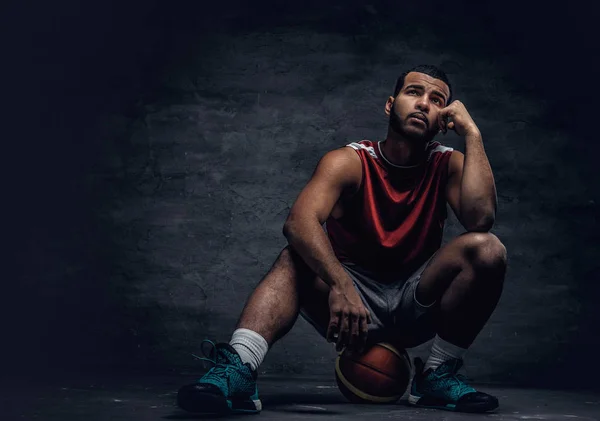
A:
(419, 95)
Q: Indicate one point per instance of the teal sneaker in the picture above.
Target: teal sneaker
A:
(228, 387)
(443, 388)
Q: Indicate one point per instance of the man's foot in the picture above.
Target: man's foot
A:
(442, 388)
(228, 387)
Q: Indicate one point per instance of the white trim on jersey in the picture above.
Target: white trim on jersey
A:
(439, 148)
(357, 146)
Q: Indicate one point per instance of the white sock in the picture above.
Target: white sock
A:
(442, 351)
(251, 347)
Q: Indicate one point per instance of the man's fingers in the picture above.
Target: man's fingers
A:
(444, 113)
(443, 118)
(362, 334)
(443, 123)
(332, 332)
(333, 328)
(343, 333)
(354, 330)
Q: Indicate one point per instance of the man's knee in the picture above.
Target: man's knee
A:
(285, 255)
(485, 251)
(289, 267)
(289, 259)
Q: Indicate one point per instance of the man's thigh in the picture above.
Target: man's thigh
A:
(413, 322)
(416, 320)
(314, 303)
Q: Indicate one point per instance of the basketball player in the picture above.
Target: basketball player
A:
(378, 267)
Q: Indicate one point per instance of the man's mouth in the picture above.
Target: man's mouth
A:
(420, 117)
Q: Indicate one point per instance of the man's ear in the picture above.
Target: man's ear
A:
(389, 104)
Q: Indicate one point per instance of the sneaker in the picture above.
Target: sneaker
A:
(442, 388)
(228, 387)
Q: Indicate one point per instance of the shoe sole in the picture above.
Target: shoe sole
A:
(473, 408)
(208, 403)
(245, 406)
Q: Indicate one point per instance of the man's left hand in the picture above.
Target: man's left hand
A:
(461, 123)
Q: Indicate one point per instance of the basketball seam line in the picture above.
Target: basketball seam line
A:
(374, 369)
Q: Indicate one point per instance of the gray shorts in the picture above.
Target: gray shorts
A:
(394, 308)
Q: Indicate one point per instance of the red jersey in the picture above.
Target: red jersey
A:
(395, 221)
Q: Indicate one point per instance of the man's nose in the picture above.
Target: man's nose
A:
(423, 103)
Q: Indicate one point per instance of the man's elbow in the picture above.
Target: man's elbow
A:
(290, 227)
(482, 225)
(287, 228)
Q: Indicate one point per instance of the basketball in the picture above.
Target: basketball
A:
(380, 375)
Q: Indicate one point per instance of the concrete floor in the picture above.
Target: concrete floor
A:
(92, 398)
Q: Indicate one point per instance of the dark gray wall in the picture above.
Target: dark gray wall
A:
(156, 150)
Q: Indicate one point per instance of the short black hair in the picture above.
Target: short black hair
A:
(428, 69)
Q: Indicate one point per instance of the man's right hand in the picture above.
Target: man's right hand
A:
(348, 319)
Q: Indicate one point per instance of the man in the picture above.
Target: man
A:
(379, 268)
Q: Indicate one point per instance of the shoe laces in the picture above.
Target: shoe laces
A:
(457, 380)
(221, 364)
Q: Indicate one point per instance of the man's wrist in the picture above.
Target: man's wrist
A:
(341, 283)
(473, 131)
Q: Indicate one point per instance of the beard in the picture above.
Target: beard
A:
(399, 127)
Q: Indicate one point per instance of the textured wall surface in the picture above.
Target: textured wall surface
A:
(160, 163)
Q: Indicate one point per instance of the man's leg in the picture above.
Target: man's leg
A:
(270, 312)
(467, 277)
(465, 281)
(273, 307)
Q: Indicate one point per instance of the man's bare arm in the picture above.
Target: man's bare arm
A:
(338, 171)
(472, 190)
(478, 198)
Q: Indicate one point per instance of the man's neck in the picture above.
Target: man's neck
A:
(401, 151)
